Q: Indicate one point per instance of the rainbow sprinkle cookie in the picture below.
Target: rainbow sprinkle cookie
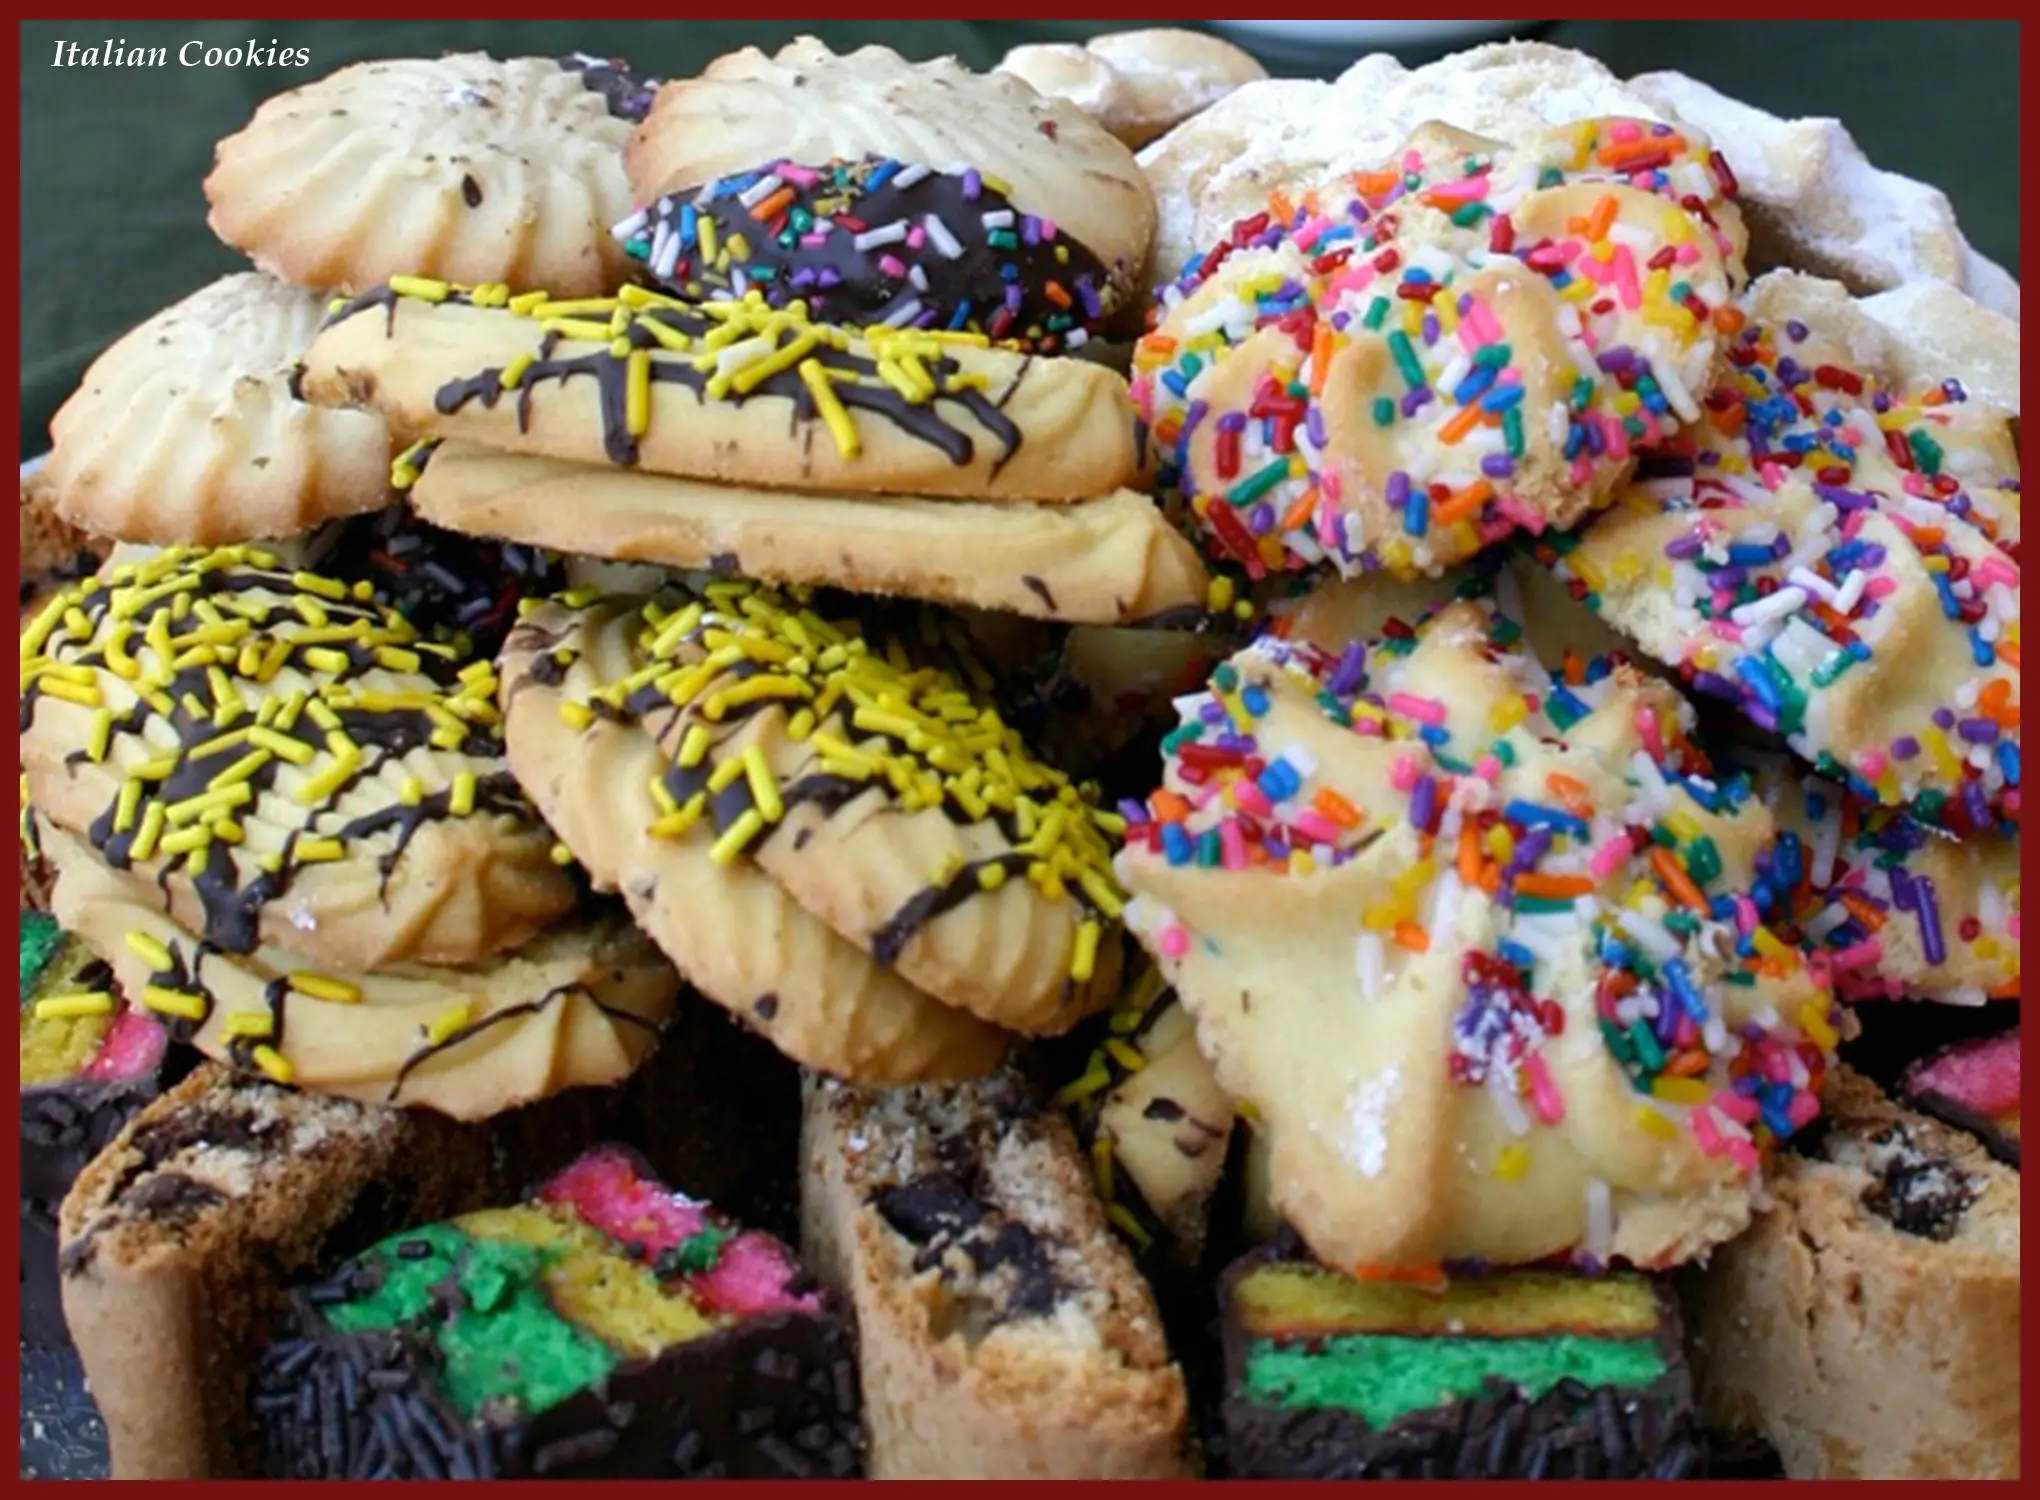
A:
(877, 241)
(1473, 342)
(1894, 909)
(859, 761)
(1478, 945)
(89, 1060)
(1509, 1375)
(1823, 552)
(289, 763)
(607, 1327)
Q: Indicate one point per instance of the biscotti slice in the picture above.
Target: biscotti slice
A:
(1004, 1331)
(606, 1326)
(1868, 1325)
(1974, 1086)
(89, 1060)
(177, 1242)
(1523, 1374)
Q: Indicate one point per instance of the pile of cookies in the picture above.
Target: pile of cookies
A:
(1370, 736)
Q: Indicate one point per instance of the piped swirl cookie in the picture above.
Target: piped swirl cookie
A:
(601, 780)
(581, 1005)
(1467, 342)
(1477, 946)
(984, 144)
(733, 391)
(185, 431)
(862, 765)
(1825, 552)
(286, 764)
(462, 166)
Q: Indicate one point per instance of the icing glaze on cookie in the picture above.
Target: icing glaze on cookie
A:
(1556, 981)
(229, 729)
(877, 241)
(1472, 342)
(722, 351)
(1818, 550)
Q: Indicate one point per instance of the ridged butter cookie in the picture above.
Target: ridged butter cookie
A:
(986, 144)
(730, 391)
(1107, 560)
(185, 431)
(287, 765)
(578, 1006)
(735, 932)
(461, 166)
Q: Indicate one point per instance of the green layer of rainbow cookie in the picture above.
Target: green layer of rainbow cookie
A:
(602, 1268)
(1313, 1339)
(73, 1022)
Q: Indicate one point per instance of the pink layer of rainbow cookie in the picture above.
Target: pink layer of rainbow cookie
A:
(1981, 1075)
(606, 1188)
(133, 1046)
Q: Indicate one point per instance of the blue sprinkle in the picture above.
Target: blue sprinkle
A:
(1416, 518)
(2008, 760)
(1502, 397)
(1255, 697)
(1534, 815)
(1176, 844)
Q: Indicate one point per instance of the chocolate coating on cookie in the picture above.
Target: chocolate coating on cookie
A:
(628, 94)
(877, 241)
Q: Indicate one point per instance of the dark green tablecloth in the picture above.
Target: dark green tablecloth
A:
(113, 222)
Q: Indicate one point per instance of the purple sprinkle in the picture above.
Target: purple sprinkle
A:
(1796, 331)
(1944, 718)
(1233, 421)
(1088, 295)
(973, 184)
(1013, 297)
(1416, 400)
(1430, 328)
(1761, 716)
(1314, 425)
(1398, 491)
(1132, 811)
(1351, 673)
(1211, 713)
(1424, 800)
(1973, 802)
(1684, 547)
(1871, 555)
(1667, 1023)
(1340, 319)
(1905, 747)
(1465, 303)
(1498, 466)
(1952, 389)
(1903, 891)
(830, 276)
(1843, 500)
(1930, 919)
(1978, 731)
(1714, 685)
(1261, 519)
(1030, 230)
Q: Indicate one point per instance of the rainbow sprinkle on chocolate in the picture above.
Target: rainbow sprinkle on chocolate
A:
(877, 241)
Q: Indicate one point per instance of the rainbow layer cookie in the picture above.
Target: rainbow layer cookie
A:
(88, 1061)
(1973, 1086)
(1518, 1374)
(607, 1326)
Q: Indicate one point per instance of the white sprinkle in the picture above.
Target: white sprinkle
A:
(1673, 384)
(903, 314)
(1813, 583)
(1648, 934)
(1367, 1114)
(906, 177)
(760, 190)
(1076, 338)
(939, 236)
(1962, 994)
(918, 278)
(1828, 919)
(1850, 594)
(1301, 761)
(1501, 1088)
(623, 229)
(1773, 606)
(1368, 965)
(998, 218)
(885, 234)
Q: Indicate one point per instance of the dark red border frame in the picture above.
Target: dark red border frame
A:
(1726, 13)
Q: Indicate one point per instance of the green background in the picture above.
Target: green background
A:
(113, 222)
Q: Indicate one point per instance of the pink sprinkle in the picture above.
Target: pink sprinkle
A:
(1860, 955)
(1745, 915)
(1524, 516)
(1881, 587)
(1313, 825)
(1543, 1092)
(1482, 318)
(1175, 941)
(1250, 798)
(1647, 727)
(1465, 190)
(892, 265)
(1736, 1107)
(1772, 475)
(797, 175)
(1413, 161)
(1312, 232)
(1423, 710)
(814, 239)
(916, 237)
(1232, 844)
(1616, 439)
(1355, 279)
(1686, 254)
(1803, 1110)
(1685, 1035)
(1873, 764)
(1488, 769)
(1994, 569)
(1596, 270)
(1743, 1154)
(1624, 130)
(1047, 229)
(1625, 278)
(1403, 774)
(1582, 470)
(1706, 1132)
(1608, 858)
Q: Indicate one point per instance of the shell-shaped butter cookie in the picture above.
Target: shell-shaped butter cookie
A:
(462, 166)
(1045, 159)
(186, 431)
(735, 932)
(280, 763)
(1476, 946)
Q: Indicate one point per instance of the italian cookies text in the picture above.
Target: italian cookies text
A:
(116, 53)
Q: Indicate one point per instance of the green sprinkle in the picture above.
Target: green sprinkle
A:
(1926, 452)
(1209, 853)
(696, 1255)
(1004, 239)
(1703, 860)
(1550, 177)
(1582, 393)
(1503, 751)
(1512, 430)
(1648, 1052)
(1384, 410)
(1491, 356)
(1470, 214)
(1377, 313)
(1254, 486)
(1406, 359)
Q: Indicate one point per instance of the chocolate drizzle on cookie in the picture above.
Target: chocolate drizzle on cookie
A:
(434, 1046)
(723, 352)
(628, 94)
(241, 704)
(877, 241)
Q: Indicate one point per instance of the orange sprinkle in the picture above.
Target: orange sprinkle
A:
(1299, 513)
(2009, 990)
(1310, 203)
(1169, 807)
(1572, 795)
(2008, 653)
(1431, 1275)
(1729, 420)
(1055, 293)
(1160, 343)
(1280, 208)
(1852, 821)
(1621, 982)
(1603, 217)
(1553, 887)
(1462, 504)
(1469, 855)
(1685, 1064)
(1320, 358)
(1676, 880)
(1336, 808)
(1374, 184)
(1728, 318)
(1863, 910)
(773, 206)
(1619, 153)
(1460, 423)
(1409, 935)
(1927, 537)
(1995, 702)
